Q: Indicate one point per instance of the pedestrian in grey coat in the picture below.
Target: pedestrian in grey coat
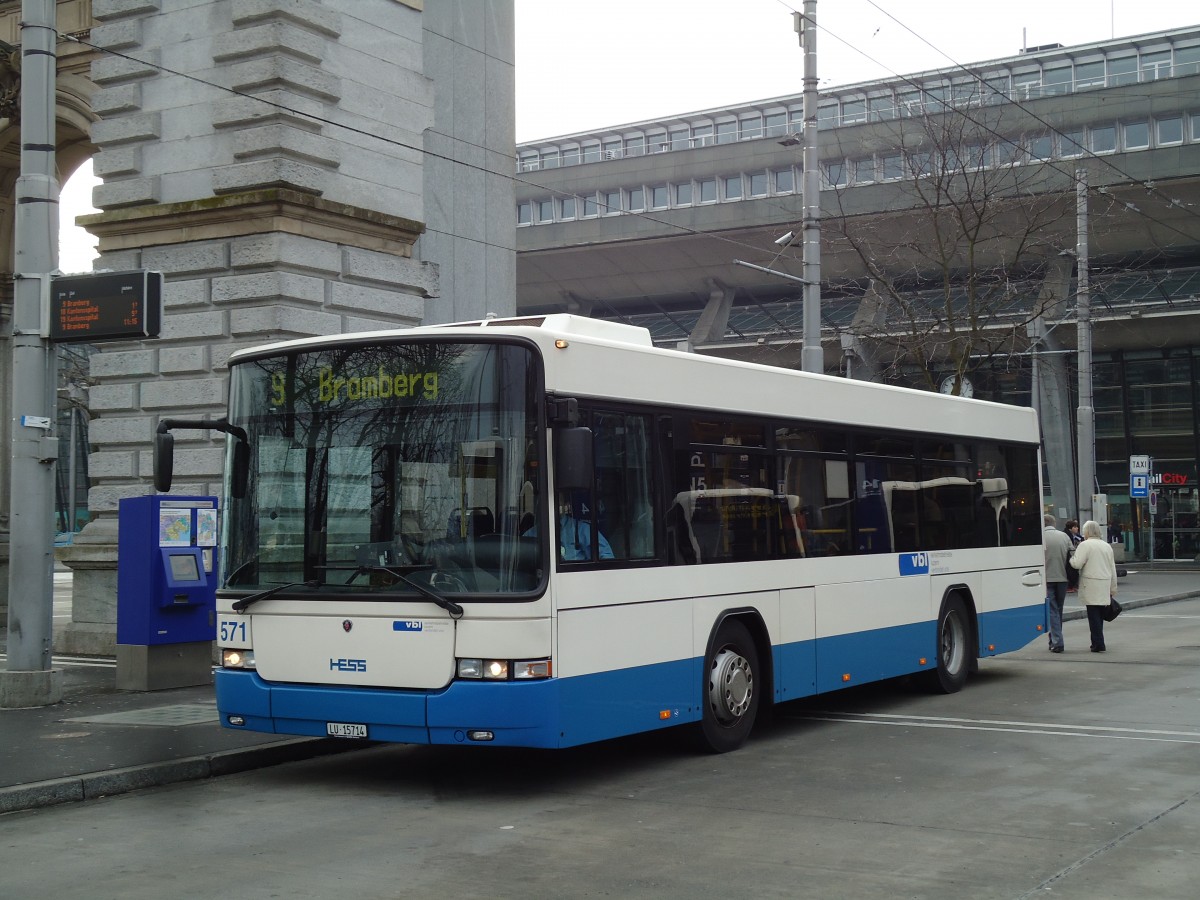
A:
(1097, 579)
(1058, 551)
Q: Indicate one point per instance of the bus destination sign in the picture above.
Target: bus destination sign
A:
(107, 306)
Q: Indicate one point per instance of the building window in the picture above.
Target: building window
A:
(612, 148)
(591, 153)
(635, 146)
(1102, 139)
(545, 211)
(1027, 85)
(995, 89)
(681, 138)
(920, 165)
(1070, 143)
(612, 202)
(893, 167)
(750, 127)
(566, 209)
(683, 193)
(570, 156)
(1187, 61)
(1056, 79)
(550, 159)
(1194, 119)
(708, 190)
(776, 124)
(637, 199)
(910, 104)
(854, 111)
(1136, 135)
(864, 170)
(529, 162)
(1089, 74)
(658, 196)
(1155, 65)
(590, 206)
(1169, 131)
(733, 187)
(657, 142)
(882, 108)
(1041, 146)
(1122, 70)
(784, 181)
(702, 135)
(827, 115)
(524, 213)
(835, 174)
(758, 184)
(726, 132)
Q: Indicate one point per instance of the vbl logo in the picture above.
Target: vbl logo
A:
(348, 665)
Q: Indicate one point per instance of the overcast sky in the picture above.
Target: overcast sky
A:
(584, 65)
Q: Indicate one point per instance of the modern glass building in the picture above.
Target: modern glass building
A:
(643, 223)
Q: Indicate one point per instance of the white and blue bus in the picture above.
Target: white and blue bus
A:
(544, 531)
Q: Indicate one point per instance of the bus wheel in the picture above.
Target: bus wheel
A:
(953, 647)
(730, 693)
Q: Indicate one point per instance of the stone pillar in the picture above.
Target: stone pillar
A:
(470, 202)
(1053, 398)
(280, 190)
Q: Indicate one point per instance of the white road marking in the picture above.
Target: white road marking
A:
(1104, 731)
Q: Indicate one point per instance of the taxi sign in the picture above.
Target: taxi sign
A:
(1139, 465)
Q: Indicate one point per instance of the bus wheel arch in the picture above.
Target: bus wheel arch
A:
(735, 680)
(956, 642)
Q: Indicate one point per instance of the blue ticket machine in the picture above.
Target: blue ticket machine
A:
(166, 591)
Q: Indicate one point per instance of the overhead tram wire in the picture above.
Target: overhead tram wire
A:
(1064, 167)
(1085, 152)
(717, 236)
(740, 245)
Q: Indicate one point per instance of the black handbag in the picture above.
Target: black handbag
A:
(1112, 610)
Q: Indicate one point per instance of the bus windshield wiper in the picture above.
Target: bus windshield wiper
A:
(245, 602)
(396, 572)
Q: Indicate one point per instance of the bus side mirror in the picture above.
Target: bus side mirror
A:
(573, 459)
(164, 460)
(240, 476)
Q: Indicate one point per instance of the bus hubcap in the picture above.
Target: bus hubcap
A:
(730, 686)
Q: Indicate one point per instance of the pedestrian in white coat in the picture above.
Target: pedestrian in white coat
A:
(1097, 579)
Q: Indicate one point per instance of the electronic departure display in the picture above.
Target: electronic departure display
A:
(105, 307)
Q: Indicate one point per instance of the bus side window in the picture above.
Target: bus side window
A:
(624, 506)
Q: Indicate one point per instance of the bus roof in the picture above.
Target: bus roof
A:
(594, 358)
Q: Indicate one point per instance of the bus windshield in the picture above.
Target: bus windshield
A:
(373, 464)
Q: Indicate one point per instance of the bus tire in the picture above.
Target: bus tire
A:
(731, 689)
(954, 647)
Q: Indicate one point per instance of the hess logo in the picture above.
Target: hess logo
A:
(347, 665)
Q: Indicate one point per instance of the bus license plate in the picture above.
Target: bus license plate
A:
(345, 729)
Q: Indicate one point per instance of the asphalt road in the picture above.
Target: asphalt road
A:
(1070, 776)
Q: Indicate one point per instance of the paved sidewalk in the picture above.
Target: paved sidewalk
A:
(100, 741)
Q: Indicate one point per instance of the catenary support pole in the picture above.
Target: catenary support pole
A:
(1086, 416)
(30, 679)
(812, 358)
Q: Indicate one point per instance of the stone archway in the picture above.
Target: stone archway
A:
(293, 167)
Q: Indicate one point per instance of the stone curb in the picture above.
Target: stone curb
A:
(1079, 613)
(94, 785)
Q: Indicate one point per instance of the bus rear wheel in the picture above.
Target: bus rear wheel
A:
(731, 694)
(954, 647)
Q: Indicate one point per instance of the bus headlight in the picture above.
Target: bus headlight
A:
(524, 669)
(234, 658)
(504, 669)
